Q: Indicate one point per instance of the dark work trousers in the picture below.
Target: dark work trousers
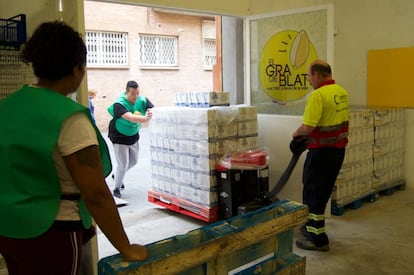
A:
(320, 171)
(55, 252)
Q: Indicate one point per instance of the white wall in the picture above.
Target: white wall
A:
(275, 134)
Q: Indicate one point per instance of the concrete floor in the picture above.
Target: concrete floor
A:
(144, 222)
(374, 239)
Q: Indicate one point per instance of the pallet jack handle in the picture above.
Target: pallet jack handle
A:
(297, 146)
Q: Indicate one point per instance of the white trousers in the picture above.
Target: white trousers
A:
(126, 157)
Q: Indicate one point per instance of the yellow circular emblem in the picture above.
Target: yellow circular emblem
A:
(283, 65)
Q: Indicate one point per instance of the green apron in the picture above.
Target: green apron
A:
(124, 126)
(31, 120)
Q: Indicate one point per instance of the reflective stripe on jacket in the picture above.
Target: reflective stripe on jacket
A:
(329, 136)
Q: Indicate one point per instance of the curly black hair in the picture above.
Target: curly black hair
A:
(54, 50)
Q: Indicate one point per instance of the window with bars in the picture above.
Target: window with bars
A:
(209, 53)
(158, 50)
(208, 29)
(106, 48)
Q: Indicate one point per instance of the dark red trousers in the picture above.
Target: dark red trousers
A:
(56, 252)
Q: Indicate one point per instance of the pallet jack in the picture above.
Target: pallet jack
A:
(297, 146)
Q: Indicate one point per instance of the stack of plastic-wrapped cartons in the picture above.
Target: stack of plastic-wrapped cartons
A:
(243, 120)
(355, 177)
(183, 151)
(388, 148)
(247, 130)
(187, 144)
(202, 99)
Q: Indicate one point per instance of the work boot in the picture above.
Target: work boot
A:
(117, 193)
(308, 245)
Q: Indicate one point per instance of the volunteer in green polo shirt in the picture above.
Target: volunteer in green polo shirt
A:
(128, 112)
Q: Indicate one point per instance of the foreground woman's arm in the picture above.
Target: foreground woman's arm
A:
(86, 169)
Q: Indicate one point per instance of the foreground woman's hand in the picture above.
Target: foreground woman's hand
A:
(135, 252)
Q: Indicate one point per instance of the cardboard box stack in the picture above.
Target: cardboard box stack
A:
(388, 149)
(355, 177)
(374, 158)
(202, 99)
(187, 144)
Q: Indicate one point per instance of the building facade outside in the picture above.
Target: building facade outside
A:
(166, 52)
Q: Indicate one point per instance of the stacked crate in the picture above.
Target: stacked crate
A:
(388, 150)
(355, 177)
(202, 99)
(374, 157)
(247, 127)
(186, 146)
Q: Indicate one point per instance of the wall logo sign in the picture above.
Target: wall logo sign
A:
(283, 65)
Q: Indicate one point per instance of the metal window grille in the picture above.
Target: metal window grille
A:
(158, 50)
(209, 53)
(106, 48)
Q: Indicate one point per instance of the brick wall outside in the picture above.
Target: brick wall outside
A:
(159, 85)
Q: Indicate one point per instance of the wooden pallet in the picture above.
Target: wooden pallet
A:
(259, 242)
(339, 209)
(182, 206)
(389, 189)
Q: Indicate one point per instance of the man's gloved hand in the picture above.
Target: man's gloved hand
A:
(298, 145)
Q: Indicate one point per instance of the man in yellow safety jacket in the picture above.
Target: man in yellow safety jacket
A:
(325, 124)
